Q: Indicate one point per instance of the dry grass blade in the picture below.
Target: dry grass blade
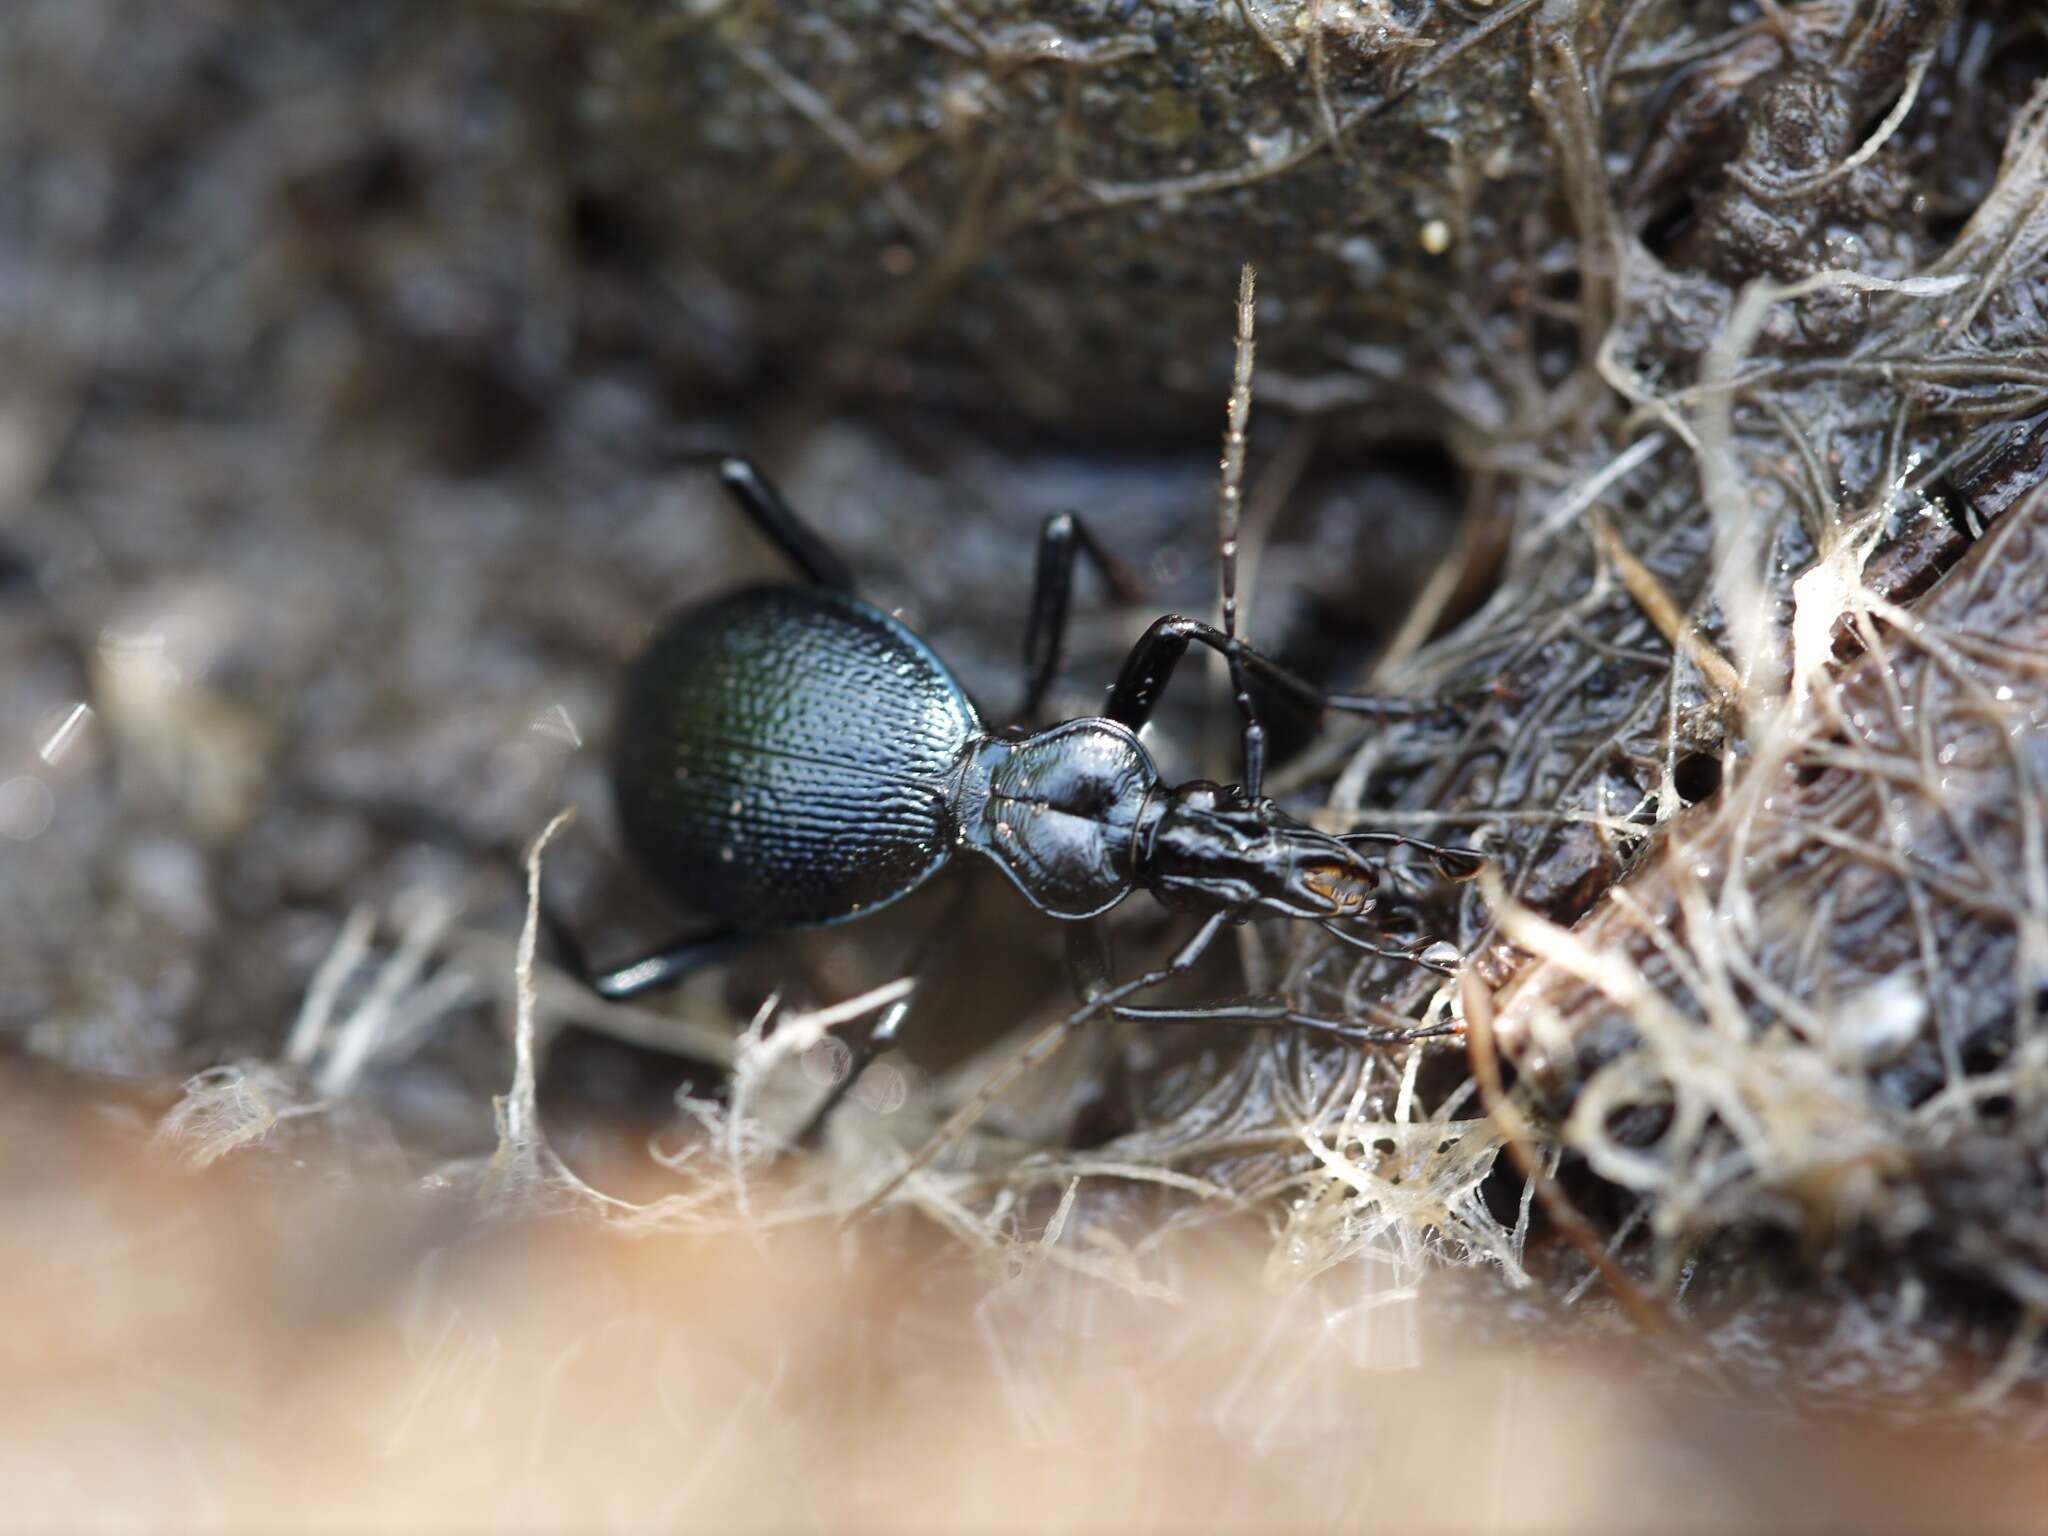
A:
(1484, 1053)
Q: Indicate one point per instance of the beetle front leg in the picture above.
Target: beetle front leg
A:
(1150, 666)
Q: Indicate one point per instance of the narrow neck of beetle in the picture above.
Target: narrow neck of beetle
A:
(970, 822)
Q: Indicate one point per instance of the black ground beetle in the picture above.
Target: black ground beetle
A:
(792, 756)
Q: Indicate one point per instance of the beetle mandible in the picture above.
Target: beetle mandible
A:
(792, 756)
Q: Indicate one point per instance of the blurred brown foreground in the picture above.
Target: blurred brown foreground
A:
(259, 1347)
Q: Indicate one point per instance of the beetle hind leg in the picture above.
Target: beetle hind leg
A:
(651, 972)
(1061, 538)
(756, 496)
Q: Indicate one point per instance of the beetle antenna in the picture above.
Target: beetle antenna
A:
(1421, 955)
(1229, 513)
(1451, 863)
(1230, 493)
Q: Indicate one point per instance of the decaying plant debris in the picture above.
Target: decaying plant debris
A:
(341, 347)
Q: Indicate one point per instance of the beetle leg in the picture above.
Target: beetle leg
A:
(754, 494)
(1090, 965)
(1276, 1013)
(1040, 1048)
(1149, 668)
(861, 1056)
(1060, 539)
(862, 1053)
(659, 968)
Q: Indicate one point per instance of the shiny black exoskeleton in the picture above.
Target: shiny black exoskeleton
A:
(792, 756)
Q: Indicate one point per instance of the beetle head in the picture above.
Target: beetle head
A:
(1211, 846)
